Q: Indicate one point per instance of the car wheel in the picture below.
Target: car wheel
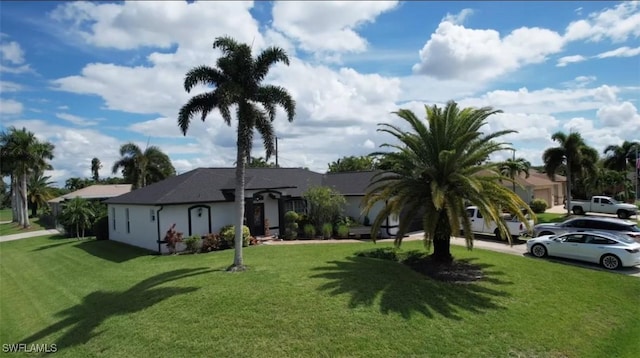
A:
(610, 262)
(623, 214)
(578, 210)
(538, 250)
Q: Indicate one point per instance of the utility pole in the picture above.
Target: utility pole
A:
(277, 152)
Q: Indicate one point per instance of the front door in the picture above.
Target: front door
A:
(257, 219)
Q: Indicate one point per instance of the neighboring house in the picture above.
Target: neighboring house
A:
(202, 201)
(93, 192)
(539, 186)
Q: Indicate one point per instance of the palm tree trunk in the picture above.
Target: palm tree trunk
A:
(24, 209)
(238, 264)
(34, 209)
(442, 240)
(77, 231)
(15, 217)
(568, 187)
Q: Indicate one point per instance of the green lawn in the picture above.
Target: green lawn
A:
(5, 214)
(15, 228)
(99, 298)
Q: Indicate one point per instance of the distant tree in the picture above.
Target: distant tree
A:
(96, 165)
(352, 164)
(237, 81)
(578, 158)
(621, 157)
(141, 168)
(260, 163)
(512, 168)
(23, 155)
(40, 191)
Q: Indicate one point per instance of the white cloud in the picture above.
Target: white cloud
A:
(6, 86)
(459, 18)
(74, 148)
(456, 52)
(12, 52)
(620, 115)
(564, 61)
(547, 100)
(16, 69)
(76, 119)
(530, 127)
(369, 144)
(616, 24)
(624, 51)
(579, 82)
(327, 26)
(142, 23)
(10, 106)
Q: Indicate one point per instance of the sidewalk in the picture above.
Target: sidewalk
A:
(26, 235)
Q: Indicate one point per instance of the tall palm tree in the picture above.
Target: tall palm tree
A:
(512, 168)
(620, 157)
(40, 191)
(236, 81)
(575, 155)
(96, 165)
(141, 168)
(27, 156)
(436, 170)
(77, 212)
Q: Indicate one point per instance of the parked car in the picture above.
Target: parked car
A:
(605, 205)
(478, 224)
(612, 251)
(613, 225)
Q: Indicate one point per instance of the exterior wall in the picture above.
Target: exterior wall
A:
(142, 228)
(544, 193)
(354, 209)
(143, 231)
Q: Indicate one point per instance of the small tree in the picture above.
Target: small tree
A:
(77, 212)
(325, 205)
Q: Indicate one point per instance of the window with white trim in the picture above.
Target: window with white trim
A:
(126, 211)
(113, 217)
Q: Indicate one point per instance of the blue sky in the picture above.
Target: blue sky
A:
(91, 76)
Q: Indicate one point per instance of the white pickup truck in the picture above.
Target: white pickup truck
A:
(605, 205)
(515, 226)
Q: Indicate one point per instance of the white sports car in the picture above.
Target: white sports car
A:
(609, 250)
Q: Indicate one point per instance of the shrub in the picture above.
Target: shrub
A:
(343, 230)
(538, 206)
(384, 253)
(228, 234)
(327, 230)
(291, 225)
(213, 242)
(324, 204)
(309, 231)
(172, 238)
(101, 228)
(192, 243)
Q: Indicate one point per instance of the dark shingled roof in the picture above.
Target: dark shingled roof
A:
(207, 184)
(349, 183)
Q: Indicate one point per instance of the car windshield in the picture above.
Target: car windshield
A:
(625, 239)
(634, 228)
(613, 201)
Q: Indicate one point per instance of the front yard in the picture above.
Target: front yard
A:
(100, 298)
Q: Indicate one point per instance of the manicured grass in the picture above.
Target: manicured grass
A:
(100, 298)
(15, 228)
(5, 214)
(550, 218)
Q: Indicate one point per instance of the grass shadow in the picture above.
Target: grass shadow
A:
(111, 250)
(80, 321)
(51, 246)
(405, 292)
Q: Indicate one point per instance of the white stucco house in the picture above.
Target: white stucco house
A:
(201, 201)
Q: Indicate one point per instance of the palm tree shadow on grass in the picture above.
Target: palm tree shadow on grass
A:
(81, 320)
(403, 291)
(111, 250)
